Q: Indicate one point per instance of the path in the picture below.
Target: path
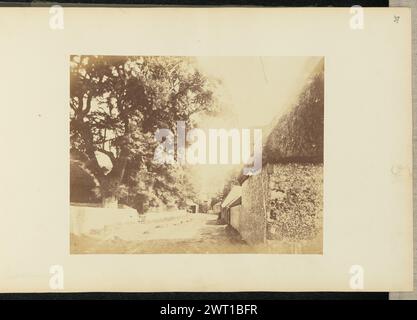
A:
(187, 233)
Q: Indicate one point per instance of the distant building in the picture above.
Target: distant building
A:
(203, 206)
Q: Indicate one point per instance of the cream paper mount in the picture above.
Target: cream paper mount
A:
(91, 95)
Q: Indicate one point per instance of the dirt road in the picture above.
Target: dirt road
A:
(187, 233)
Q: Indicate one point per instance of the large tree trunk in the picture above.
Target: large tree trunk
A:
(139, 203)
(112, 181)
(110, 202)
(109, 183)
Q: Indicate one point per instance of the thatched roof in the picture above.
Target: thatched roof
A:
(297, 136)
(234, 194)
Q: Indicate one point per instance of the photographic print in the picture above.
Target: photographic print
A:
(196, 154)
(206, 149)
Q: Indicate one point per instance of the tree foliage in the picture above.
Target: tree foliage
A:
(116, 105)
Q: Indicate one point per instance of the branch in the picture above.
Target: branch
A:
(88, 104)
(73, 104)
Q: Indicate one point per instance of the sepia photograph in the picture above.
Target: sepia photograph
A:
(183, 150)
(174, 154)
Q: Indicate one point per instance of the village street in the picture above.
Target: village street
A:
(163, 233)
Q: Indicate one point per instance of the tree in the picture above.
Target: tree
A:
(116, 105)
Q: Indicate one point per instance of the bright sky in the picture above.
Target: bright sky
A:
(258, 88)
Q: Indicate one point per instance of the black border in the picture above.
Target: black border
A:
(193, 296)
(205, 3)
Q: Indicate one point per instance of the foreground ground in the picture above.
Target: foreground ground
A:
(185, 233)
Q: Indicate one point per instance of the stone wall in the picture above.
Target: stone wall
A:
(283, 208)
(85, 220)
(296, 206)
(235, 214)
(224, 215)
(255, 205)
